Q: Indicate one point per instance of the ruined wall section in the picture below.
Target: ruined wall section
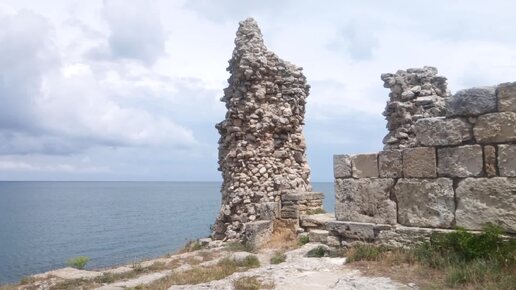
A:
(461, 173)
(415, 94)
(261, 145)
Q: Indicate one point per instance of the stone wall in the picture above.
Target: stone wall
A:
(261, 146)
(458, 170)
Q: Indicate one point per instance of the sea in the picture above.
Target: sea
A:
(43, 224)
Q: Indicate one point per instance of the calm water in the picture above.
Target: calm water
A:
(42, 224)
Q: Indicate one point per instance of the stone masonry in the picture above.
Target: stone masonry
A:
(454, 170)
(261, 146)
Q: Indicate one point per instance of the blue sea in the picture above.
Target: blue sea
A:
(42, 224)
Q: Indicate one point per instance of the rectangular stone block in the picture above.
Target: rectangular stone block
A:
(507, 160)
(365, 200)
(258, 233)
(506, 94)
(317, 236)
(471, 102)
(490, 161)
(390, 164)
(351, 230)
(364, 165)
(341, 166)
(495, 128)
(463, 161)
(419, 162)
(425, 202)
(442, 132)
(486, 200)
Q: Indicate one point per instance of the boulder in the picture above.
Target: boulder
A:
(419, 162)
(495, 128)
(365, 200)
(462, 161)
(425, 202)
(486, 200)
(471, 102)
(442, 132)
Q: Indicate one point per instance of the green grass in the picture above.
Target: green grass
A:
(239, 247)
(78, 262)
(251, 283)
(303, 240)
(278, 258)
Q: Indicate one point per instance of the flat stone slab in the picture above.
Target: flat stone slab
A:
(419, 162)
(442, 132)
(390, 164)
(302, 196)
(462, 161)
(507, 160)
(364, 165)
(317, 236)
(365, 200)
(471, 102)
(356, 231)
(506, 94)
(341, 166)
(316, 220)
(425, 202)
(495, 128)
(486, 200)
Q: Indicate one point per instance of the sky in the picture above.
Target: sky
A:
(129, 90)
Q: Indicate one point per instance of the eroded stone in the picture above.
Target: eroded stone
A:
(365, 200)
(419, 162)
(486, 200)
(364, 165)
(506, 94)
(442, 132)
(341, 166)
(496, 128)
(507, 160)
(390, 164)
(463, 161)
(471, 102)
(425, 202)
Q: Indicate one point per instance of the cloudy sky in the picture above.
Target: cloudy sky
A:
(130, 89)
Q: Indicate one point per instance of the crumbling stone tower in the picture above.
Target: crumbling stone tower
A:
(261, 145)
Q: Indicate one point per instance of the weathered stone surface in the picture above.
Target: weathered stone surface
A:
(415, 93)
(352, 230)
(316, 220)
(317, 236)
(442, 132)
(365, 200)
(258, 233)
(490, 161)
(390, 164)
(462, 161)
(269, 210)
(333, 241)
(507, 160)
(419, 162)
(402, 236)
(425, 202)
(496, 128)
(506, 94)
(341, 166)
(364, 165)
(471, 102)
(262, 149)
(486, 200)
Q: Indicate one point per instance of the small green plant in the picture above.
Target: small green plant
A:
(250, 261)
(278, 258)
(303, 240)
(106, 278)
(365, 252)
(78, 262)
(318, 252)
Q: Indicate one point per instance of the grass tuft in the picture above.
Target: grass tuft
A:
(251, 283)
(303, 240)
(278, 258)
(78, 262)
(318, 252)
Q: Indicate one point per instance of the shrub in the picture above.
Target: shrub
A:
(78, 262)
(364, 252)
(303, 240)
(318, 252)
(278, 258)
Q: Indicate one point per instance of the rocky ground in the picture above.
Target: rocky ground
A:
(297, 272)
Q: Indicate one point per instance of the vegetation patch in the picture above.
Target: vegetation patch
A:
(191, 246)
(278, 257)
(459, 259)
(317, 252)
(251, 283)
(78, 262)
(239, 247)
(303, 240)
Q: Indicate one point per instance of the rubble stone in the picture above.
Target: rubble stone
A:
(471, 102)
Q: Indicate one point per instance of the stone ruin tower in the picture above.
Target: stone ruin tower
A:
(261, 146)
(415, 94)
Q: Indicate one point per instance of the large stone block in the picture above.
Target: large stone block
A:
(471, 102)
(496, 128)
(364, 165)
(258, 233)
(390, 164)
(419, 162)
(341, 166)
(486, 200)
(463, 161)
(365, 200)
(425, 202)
(356, 231)
(442, 132)
(506, 94)
(507, 160)
(490, 161)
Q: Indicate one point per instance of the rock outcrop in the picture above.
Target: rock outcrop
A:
(261, 145)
